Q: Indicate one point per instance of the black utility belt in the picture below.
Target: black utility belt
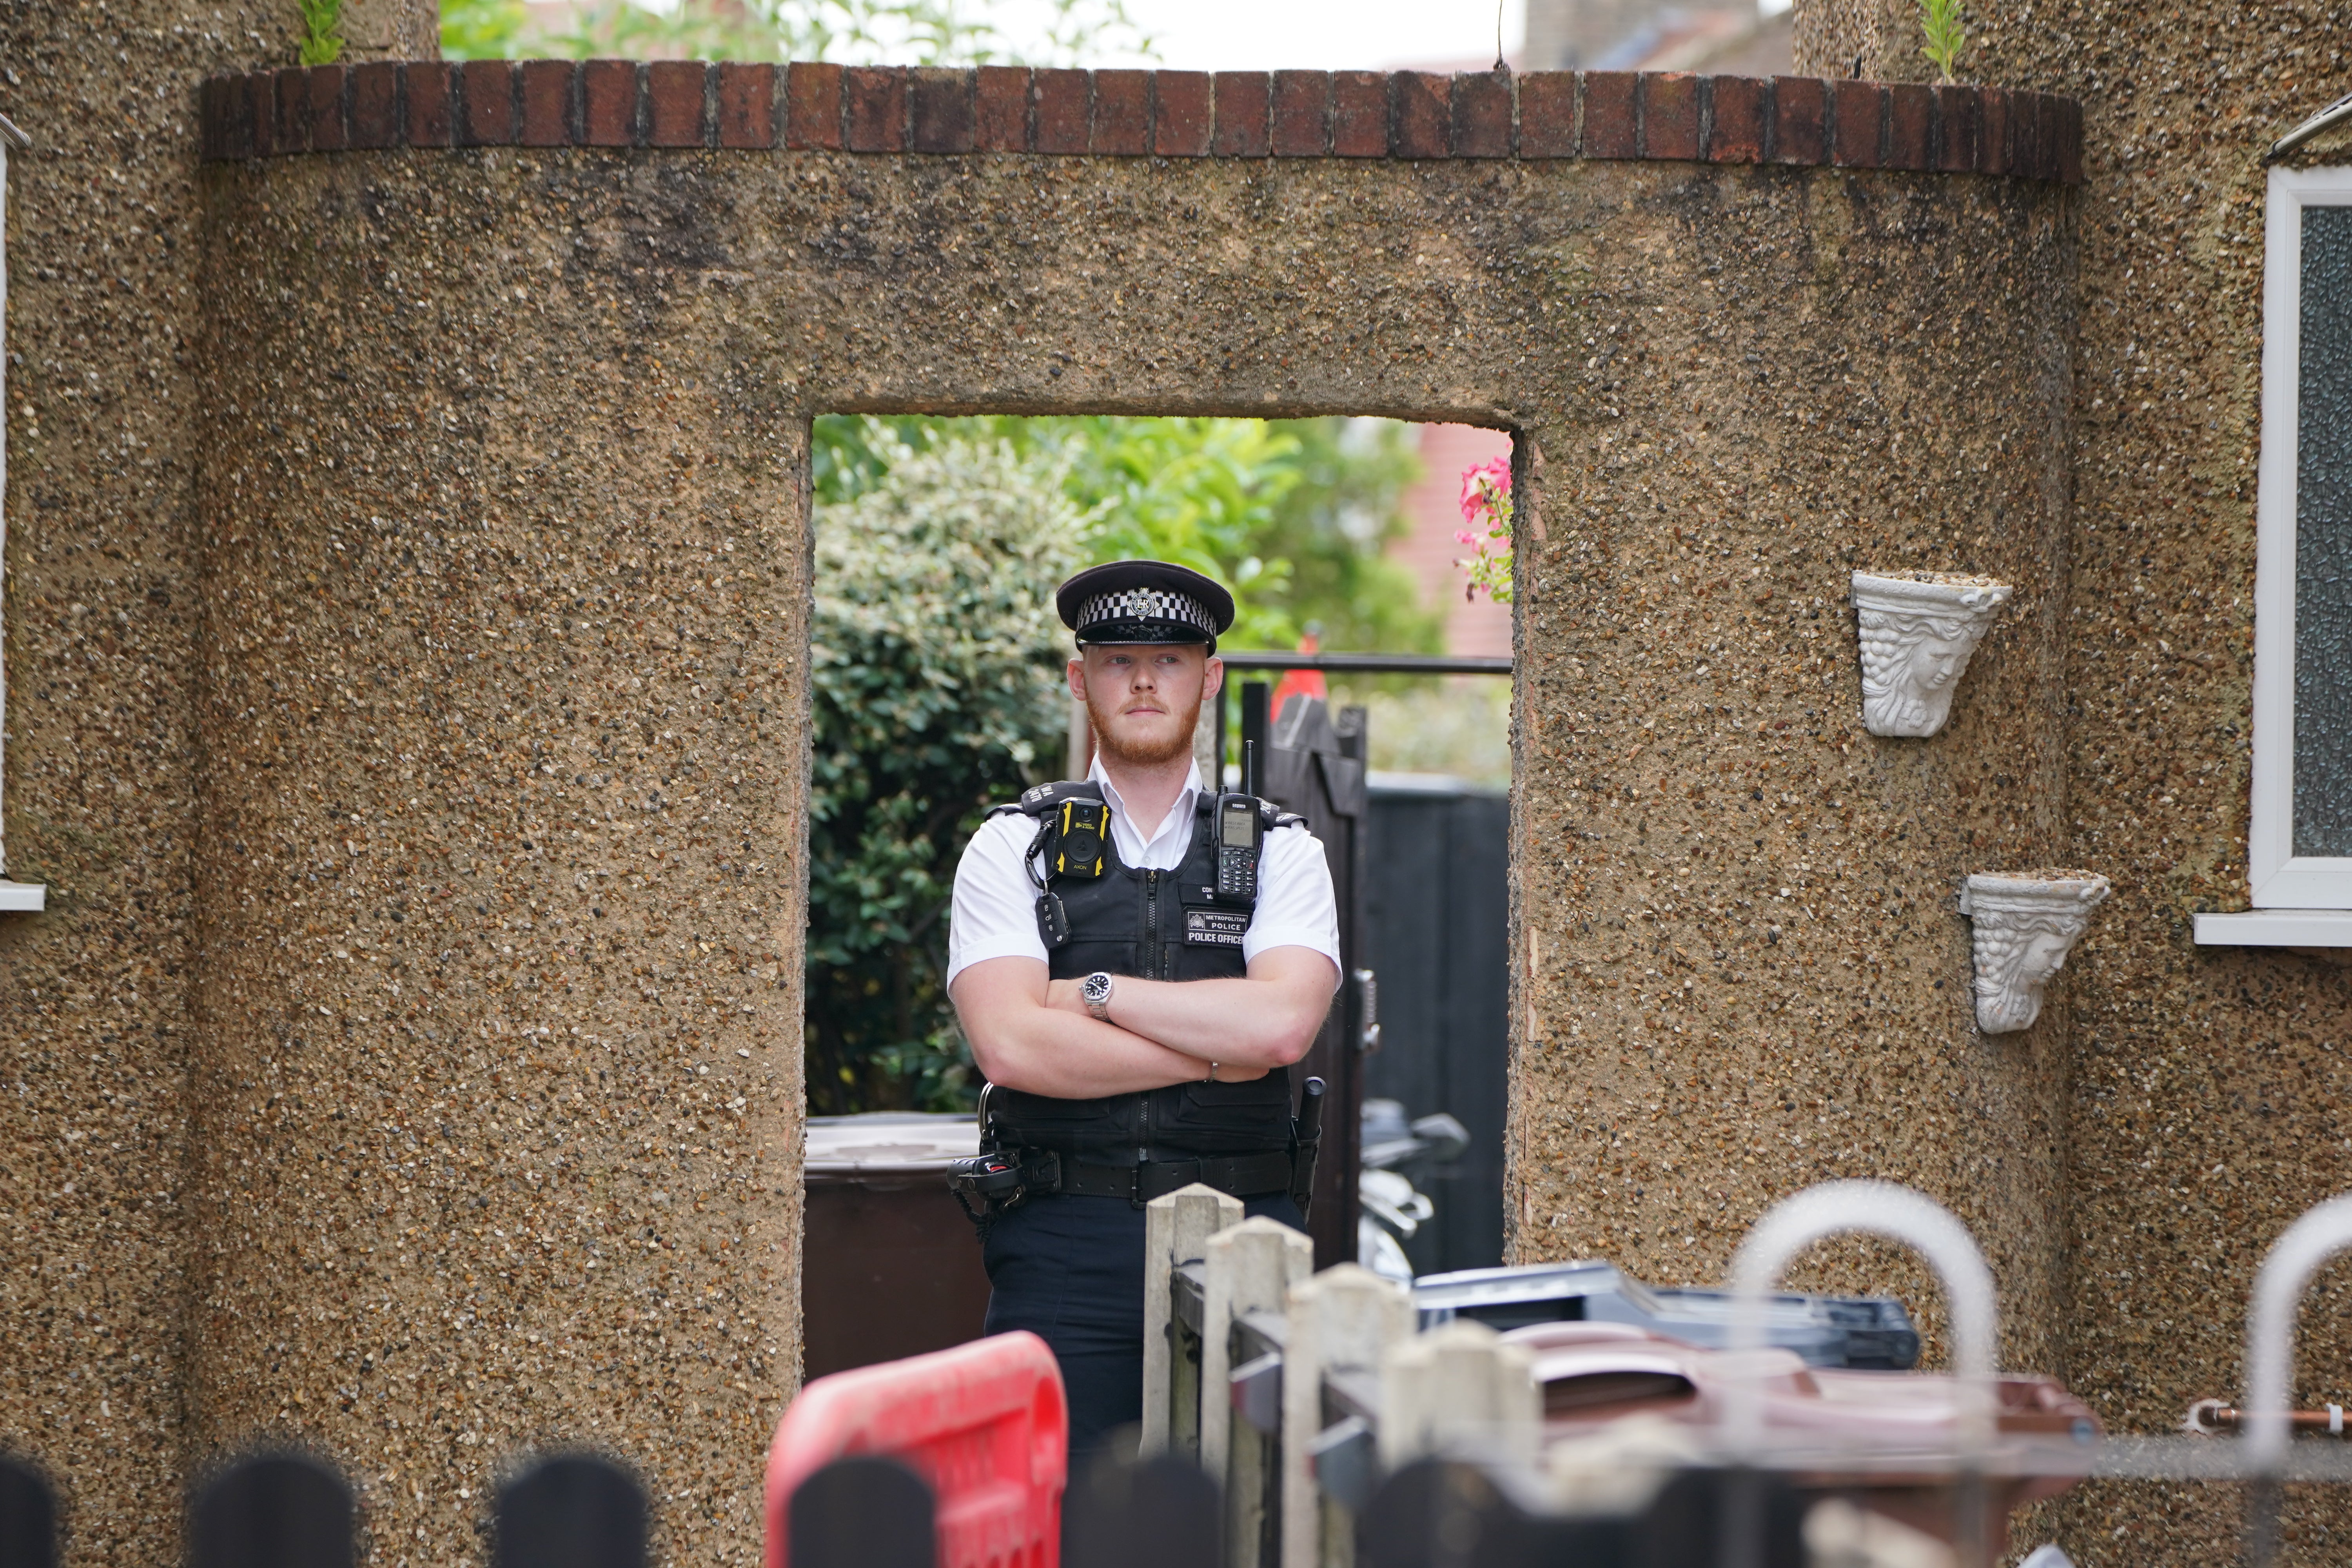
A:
(1242, 1175)
(989, 1185)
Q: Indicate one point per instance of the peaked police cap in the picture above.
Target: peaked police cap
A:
(1144, 601)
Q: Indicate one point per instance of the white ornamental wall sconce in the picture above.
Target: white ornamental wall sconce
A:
(2025, 924)
(24, 897)
(1917, 631)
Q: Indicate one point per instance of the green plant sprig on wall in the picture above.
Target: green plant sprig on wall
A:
(322, 31)
(1945, 37)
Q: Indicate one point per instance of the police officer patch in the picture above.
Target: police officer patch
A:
(1215, 928)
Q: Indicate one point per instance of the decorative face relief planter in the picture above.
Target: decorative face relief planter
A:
(2025, 923)
(1917, 631)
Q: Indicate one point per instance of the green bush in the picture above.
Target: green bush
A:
(483, 29)
(936, 661)
(1292, 515)
(1333, 526)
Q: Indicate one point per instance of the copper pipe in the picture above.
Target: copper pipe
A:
(2208, 1416)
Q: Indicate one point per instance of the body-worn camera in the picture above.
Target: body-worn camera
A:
(1076, 839)
(1084, 830)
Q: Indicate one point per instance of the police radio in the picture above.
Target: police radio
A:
(1239, 830)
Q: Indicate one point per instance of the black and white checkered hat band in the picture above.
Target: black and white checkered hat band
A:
(1147, 605)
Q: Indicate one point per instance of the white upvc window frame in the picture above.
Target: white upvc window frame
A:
(2299, 900)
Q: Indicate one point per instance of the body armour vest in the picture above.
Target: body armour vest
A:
(1158, 925)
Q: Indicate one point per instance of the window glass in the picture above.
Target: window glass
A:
(2323, 539)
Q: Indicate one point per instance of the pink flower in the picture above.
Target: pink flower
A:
(1482, 485)
(1486, 504)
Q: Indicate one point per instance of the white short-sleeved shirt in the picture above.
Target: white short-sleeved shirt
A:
(995, 912)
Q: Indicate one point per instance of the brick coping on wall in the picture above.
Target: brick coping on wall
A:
(1668, 115)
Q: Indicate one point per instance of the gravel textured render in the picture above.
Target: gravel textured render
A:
(97, 1024)
(407, 586)
(504, 691)
(2209, 1082)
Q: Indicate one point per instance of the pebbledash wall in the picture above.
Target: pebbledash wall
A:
(457, 1083)
(2208, 1081)
(439, 531)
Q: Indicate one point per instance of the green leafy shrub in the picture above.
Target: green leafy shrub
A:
(1334, 525)
(937, 662)
(483, 29)
(1292, 515)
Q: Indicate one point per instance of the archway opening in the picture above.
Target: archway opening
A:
(1367, 675)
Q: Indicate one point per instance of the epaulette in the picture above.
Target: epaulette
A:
(1268, 813)
(1048, 798)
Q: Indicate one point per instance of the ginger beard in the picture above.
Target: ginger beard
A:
(1144, 701)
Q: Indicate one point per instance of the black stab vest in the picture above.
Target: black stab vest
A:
(1159, 925)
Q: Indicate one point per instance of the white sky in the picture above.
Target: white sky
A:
(1323, 35)
(1311, 35)
(1274, 35)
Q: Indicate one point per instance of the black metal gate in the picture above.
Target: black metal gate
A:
(1314, 763)
(1436, 931)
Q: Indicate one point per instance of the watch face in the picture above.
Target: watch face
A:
(1097, 986)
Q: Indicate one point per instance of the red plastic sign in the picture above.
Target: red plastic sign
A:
(985, 1424)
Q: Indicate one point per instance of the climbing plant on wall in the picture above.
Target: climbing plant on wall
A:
(1486, 505)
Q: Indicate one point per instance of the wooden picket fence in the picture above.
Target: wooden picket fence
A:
(1282, 1383)
(1341, 1438)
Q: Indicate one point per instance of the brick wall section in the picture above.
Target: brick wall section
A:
(1663, 115)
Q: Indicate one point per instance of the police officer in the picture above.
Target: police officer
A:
(1136, 1017)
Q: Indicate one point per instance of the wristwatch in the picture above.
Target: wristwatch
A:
(1095, 992)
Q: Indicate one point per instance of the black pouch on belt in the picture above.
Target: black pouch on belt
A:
(1000, 1181)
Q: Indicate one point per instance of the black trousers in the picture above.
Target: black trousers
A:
(1070, 1271)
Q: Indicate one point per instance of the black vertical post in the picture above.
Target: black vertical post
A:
(28, 1517)
(1346, 1148)
(1160, 1513)
(1253, 700)
(864, 1512)
(573, 1511)
(272, 1511)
